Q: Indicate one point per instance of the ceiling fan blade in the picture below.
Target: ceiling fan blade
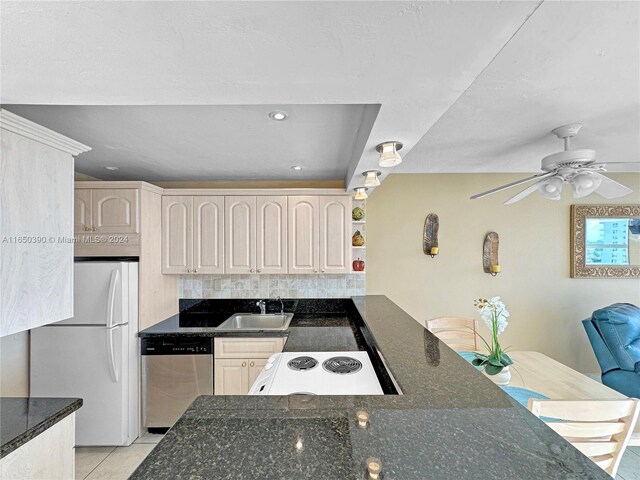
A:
(613, 163)
(610, 188)
(524, 193)
(512, 184)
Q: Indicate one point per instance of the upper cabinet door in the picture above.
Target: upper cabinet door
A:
(335, 224)
(240, 234)
(115, 210)
(271, 232)
(177, 234)
(303, 237)
(208, 228)
(82, 210)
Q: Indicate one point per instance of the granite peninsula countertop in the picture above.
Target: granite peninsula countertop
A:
(24, 418)
(450, 423)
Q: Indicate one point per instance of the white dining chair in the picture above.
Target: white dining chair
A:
(459, 333)
(600, 429)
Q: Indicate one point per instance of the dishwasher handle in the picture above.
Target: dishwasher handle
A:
(176, 346)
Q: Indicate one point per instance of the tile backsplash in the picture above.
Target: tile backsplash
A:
(271, 286)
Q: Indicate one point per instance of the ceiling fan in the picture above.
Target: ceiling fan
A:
(576, 167)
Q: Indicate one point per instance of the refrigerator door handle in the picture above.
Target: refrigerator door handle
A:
(113, 369)
(115, 276)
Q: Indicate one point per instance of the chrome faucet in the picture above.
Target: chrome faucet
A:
(281, 305)
(263, 306)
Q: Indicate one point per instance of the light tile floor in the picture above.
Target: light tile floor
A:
(113, 463)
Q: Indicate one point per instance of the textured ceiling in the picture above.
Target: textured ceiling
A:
(466, 86)
(572, 62)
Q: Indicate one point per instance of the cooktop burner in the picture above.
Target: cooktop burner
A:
(342, 365)
(302, 363)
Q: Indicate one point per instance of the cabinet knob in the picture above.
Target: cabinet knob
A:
(322, 270)
(252, 270)
(244, 364)
(259, 270)
(188, 270)
(252, 364)
(315, 271)
(87, 229)
(94, 229)
(373, 468)
(195, 270)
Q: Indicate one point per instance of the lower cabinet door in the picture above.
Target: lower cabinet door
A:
(255, 367)
(231, 376)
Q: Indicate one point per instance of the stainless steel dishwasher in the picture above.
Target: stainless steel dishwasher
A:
(175, 370)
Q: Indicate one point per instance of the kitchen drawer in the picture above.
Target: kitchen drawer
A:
(247, 347)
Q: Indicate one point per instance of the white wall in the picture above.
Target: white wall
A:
(14, 365)
(546, 305)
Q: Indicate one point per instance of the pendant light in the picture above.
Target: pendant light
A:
(389, 156)
(361, 193)
(371, 178)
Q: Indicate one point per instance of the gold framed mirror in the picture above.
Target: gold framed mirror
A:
(605, 241)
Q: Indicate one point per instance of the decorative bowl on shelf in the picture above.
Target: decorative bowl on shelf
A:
(357, 213)
(357, 240)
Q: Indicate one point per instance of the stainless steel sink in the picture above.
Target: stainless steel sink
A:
(256, 321)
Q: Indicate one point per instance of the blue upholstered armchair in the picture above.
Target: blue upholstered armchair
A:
(614, 332)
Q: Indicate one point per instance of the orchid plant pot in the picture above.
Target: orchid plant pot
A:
(496, 362)
(502, 378)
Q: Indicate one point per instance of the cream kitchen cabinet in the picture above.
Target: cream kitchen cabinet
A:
(192, 234)
(36, 224)
(319, 234)
(107, 211)
(255, 234)
(304, 236)
(238, 361)
(49, 455)
(106, 219)
(335, 234)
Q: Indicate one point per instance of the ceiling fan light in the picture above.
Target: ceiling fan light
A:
(361, 193)
(389, 156)
(585, 184)
(371, 178)
(551, 189)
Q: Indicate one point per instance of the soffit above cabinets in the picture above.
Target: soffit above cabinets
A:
(210, 142)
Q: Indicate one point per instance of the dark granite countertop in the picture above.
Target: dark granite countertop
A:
(22, 419)
(450, 423)
(316, 325)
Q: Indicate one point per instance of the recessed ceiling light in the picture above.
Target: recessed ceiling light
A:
(371, 178)
(113, 169)
(361, 193)
(389, 156)
(278, 115)
(297, 168)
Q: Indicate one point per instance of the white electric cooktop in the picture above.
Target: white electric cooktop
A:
(318, 373)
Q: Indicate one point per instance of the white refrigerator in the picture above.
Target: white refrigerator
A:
(94, 355)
